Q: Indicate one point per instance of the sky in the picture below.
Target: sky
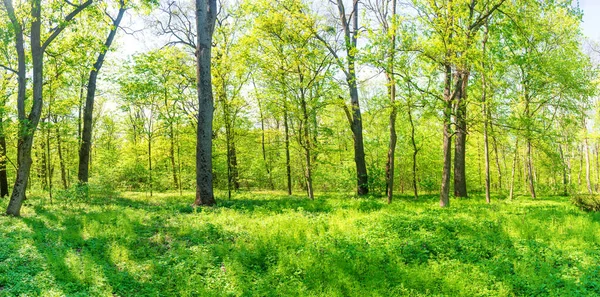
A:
(591, 18)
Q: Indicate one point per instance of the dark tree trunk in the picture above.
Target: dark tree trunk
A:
(263, 147)
(460, 178)
(3, 175)
(206, 12)
(350, 35)
(564, 171)
(86, 137)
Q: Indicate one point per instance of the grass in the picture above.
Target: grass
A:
(267, 244)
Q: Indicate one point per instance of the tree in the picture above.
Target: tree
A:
(206, 14)
(88, 111)
(28, 123)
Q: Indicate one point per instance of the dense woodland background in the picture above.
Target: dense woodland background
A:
(505, 89)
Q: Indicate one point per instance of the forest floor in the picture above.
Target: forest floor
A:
(269, 244)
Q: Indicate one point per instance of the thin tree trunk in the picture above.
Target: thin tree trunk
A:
(485, 114)
(530, 170)
(588, 178)
(3, 175)
(86, 137)
(512, 175)
(389, 170)
(63, 171)
(447, 140)
(415, 150)
(288, 166)
(172, 155)
(564, 170)
(307, 147)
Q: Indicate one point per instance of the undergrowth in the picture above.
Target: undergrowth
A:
(267, 244)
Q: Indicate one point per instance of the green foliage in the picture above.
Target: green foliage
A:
(272, 245)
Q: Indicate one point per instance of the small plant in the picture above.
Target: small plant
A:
(587, 202)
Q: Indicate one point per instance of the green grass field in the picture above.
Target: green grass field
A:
(273, 245)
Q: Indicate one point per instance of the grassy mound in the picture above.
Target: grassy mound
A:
(273, 245)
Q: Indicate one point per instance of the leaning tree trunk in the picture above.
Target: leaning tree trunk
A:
(88, 112)
(63, 170)
(206, 11)
(415, 149)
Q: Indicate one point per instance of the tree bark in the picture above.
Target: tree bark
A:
(389, 169)
(86, 137)
(485, 113)
(415, 150)
(206, 11)
(447, 139)
(356, 121)
(3, 175)
(514, 166)
(63, 171)
(288, 166)
(307, 146)
(460, 178)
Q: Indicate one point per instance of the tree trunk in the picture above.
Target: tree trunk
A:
(588, 178)
(307, 147)
(263, 147)
(206, 11)
(389, 169)
(150, 159)
(172, 155)
(530, 170)
(288, 166)
(485, 114)
(447, 139)
(460, 178)
(512, 175)
(415, 150)
(564, 171)
(63, 170)
(86, 137)
(3, 175)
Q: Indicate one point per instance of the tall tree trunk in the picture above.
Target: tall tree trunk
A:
(25, 138)
(514, 166)
(588, 178)
(263, 147)
(460, 178)
(150, 159)
(206, 12)
(530, 170)
(485, 114)
(415, 150)
(86, 137)
(447, 139)
(3, 175)
(288, 166)
(350, 28)
(307, 147)
(172, 155)
(63, 171)
(497, 157)
(50, 170)
(564, 171)
(389, 169)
